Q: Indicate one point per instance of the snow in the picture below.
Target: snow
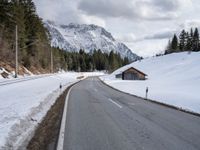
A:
(11, 75)
(27, 72)
(172, 79)
(88, 74)
(24, 104)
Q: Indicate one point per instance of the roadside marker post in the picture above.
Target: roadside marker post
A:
(147, 90)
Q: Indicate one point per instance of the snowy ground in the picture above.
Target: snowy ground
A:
(24, 104)
(173, 79)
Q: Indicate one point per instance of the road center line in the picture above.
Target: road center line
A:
(118, 105)
(131, 104)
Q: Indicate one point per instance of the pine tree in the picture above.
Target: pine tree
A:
(182, 40)
(196, 40)
(125, 61)
(191, 39)
(174, 44)
(4, 12)
(82, 60)
(112, 61)
(168, 48)
(188, 42)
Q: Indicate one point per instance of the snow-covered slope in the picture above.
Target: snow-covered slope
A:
(173, 79)
(74, 37)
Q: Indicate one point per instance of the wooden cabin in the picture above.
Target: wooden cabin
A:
(131, 74)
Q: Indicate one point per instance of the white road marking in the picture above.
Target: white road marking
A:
(131, 104)
(60, 143)
(118, 105)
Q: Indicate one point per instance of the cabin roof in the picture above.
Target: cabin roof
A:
(134, 69)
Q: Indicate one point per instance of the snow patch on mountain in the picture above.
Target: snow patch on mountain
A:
(74, 37)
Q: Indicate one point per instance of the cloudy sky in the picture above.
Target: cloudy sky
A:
(145, 26)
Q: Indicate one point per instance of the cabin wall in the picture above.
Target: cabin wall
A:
(132, 74)
(141, 77)
(119, 76)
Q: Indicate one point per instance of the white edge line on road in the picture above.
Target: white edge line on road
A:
(60, 143)
(118, 105)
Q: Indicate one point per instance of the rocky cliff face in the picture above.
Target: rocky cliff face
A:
(74, 37)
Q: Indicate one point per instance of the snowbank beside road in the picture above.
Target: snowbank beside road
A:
(24, 104)
(173, 79)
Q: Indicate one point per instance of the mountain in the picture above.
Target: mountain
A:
(74, 37)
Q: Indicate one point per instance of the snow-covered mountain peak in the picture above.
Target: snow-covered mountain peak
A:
(73, 37)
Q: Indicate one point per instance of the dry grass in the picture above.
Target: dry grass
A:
(11, 67)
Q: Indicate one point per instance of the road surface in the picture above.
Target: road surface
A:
(101, 118)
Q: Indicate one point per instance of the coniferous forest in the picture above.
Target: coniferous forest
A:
(185, 41)
(34, 43)
(81, 61)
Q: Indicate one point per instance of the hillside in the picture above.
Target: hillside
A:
(173, 79)
(74, 37)
(20, 17)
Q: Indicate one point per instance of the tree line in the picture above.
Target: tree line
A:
(82, 61)
(186, 41)
(34, 43)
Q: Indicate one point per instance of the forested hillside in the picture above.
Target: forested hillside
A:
(34, 50)
(33, 44)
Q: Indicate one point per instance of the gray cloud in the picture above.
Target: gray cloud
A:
(105, 8)
(62, 11)
(81, 11)
(167, 5)
(160, 35)
(131, 38)
(132, 9)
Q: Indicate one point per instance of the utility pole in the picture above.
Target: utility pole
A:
(16, 51)
(16, 48)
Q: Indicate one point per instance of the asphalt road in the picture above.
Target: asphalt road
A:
(100, 118)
